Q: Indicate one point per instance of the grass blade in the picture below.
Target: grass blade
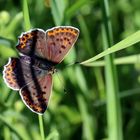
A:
(75, 7)
(40, 117)
(129, 41)
(27, 23)
(88, 130)
(113, 102)
(58, 8)
(133, 59)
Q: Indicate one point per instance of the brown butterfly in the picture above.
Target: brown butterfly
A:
(31, 74)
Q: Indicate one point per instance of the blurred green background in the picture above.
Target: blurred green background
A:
(81, 112)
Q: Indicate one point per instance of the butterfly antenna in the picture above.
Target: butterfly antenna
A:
(61, 81)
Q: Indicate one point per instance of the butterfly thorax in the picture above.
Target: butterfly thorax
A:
(40, 64)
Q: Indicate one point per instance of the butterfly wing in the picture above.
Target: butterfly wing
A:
(59, 41)
(34, 84)
(36, 94)
(16, 73)
(52, 45)
(32, 43)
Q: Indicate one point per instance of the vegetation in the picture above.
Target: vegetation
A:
(102, 100)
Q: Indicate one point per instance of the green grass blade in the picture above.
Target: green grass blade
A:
(57, 8)
(27, 23)
(40, 117)
(7, 133)
(133, 59)
(75, 7)
(129, 41)
(113, 103)
(88, 130)
(86, 36)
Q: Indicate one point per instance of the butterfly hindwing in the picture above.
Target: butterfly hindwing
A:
(59, 41)
(9, 73)
(34, 83)
(36, 97)
(18, 72)
(13, 74)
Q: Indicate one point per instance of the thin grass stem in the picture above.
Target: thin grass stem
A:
(40, 117)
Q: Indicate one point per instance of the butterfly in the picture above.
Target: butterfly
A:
(31, 74)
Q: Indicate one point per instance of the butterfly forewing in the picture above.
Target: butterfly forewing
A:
(52, 45)
(36, 94)
(59, 41)
(32, 43)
